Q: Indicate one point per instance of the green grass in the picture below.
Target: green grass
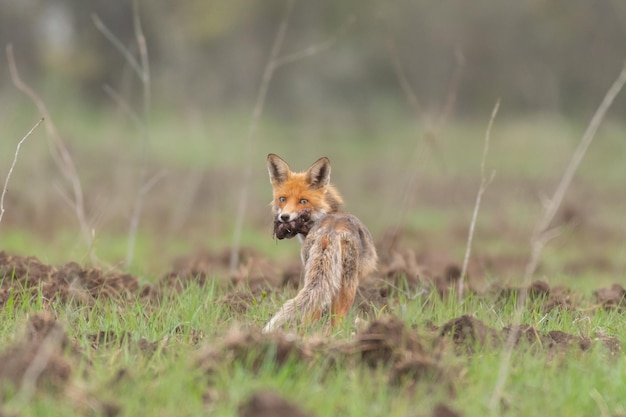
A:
(167, 382)
(391, 177)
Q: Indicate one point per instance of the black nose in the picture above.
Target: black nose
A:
(284, 217)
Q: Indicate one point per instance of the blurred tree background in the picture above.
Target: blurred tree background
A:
(372, 80)
(556, 56)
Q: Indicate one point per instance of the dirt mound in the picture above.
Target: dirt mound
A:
(373, 298)
(269, 404)
(557, 341)
(538, 292)
(107, 338)
(442, 410)
(254, 271)
(26, 276)
(613, 297)
(253, 348)
(468, 332)
(384, 342)
(38, 360)
(401, 264)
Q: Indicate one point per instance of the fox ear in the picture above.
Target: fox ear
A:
(278, 169)
(318, 175)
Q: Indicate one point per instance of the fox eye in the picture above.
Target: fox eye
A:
(303, 201)
(282, 199)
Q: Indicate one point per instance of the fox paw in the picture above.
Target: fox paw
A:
(300, 225)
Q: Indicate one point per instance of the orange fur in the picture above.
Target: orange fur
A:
(336, 253)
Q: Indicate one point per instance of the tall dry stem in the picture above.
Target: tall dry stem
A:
(275, 61)
(59, 152)
(17, 150)
(431, 128)
(484, 183)
(141, 67)
(542, 234)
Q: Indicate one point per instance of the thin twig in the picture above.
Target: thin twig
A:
(431, 129)
(542, 234)
(274, 62)
(17, 150)
(403, 80)
(143, 56)
(257, 111)
(484, 183)
(117, 43)
(134, 220)
(59, 152)
(453, 87)
(314, 49)
(142, 70)
(126, 108)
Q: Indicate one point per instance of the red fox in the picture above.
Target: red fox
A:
(337, 249)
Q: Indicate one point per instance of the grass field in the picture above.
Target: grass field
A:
(88, 339)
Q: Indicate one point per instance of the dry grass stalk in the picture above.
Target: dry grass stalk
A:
(484, 183)
(542, 233)
(17, 150)
(257, 111)
(403, 80)
(274, 62)
(59, 152)
(453, 88)
(431, 126)
(142, 70)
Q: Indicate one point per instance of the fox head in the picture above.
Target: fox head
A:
(297, 191)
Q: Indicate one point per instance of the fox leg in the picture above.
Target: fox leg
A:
(322, 282)
(308, 304)
(341, 303)
(312, 317)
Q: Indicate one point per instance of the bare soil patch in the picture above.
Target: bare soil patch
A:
(27, 276)
(269, 404)
(38, 360)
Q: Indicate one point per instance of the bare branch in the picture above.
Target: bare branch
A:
(430, 129)
(17, 150)
(143, 56)
(274, 62)
(59, 152)
(541, 234)
(484, 183)
(117, 43)
(126, 108)
(314, 49)
(453, 87)
(142, 69)
(403, 80)
(257, 111)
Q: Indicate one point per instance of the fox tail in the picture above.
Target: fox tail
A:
(322, 282)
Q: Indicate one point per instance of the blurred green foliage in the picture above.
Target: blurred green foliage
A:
(556, 56)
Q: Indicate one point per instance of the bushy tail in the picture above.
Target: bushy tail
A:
(322, 282)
